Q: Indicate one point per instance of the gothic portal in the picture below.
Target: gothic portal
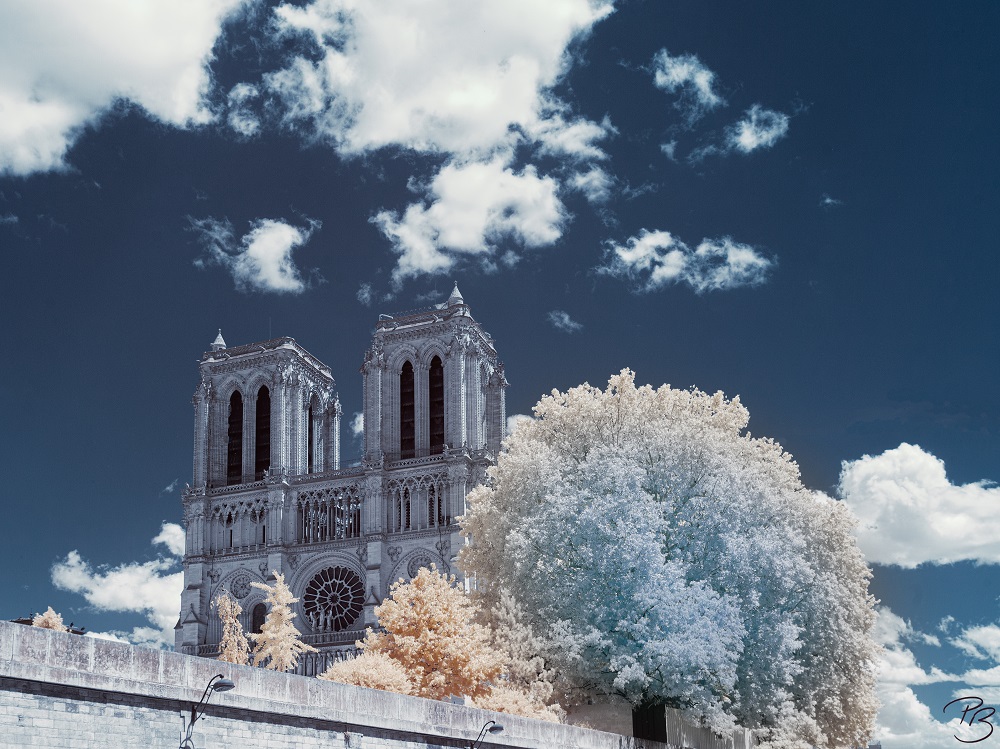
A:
(269, 492)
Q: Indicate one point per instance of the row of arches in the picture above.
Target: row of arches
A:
(407, 409)
(260, 438)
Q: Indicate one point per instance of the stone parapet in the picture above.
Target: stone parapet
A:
(61, 690)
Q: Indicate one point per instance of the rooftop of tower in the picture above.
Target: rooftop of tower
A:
(454, 306)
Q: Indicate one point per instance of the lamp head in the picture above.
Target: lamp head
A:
(223, 685)
(495, 728)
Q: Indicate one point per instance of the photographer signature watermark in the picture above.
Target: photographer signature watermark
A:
(974, 714)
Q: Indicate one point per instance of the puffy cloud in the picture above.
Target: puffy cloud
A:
(514, 419)
(654, 259)
(147, 588)
(434, 76)
(688, 77)
(562, 321)
(358, 424)
(595, 184)
(171, 535)
(64, 63)
(898, 666)
(262, 259)
(473, 205)
(760, 128)
(911, 514)
(473, 82)
(904, 722)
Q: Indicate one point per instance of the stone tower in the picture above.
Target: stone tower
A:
(269, 493)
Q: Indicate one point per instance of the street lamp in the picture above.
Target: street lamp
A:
(217, 683)
(491, 727)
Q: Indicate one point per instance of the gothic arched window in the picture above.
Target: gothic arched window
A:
(262, 444)
(311, 447)
(257, 617)
(234, 452)
(436, 400)
(407, 433)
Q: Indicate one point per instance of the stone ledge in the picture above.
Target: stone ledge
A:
(40, 655)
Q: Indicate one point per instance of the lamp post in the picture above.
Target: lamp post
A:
(217, 683)
(491, 727)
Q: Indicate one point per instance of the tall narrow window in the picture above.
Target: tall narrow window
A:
(312, 440)
(406, 413)
(234, 453)
(436, 400)
(262, 445)
(257, 616)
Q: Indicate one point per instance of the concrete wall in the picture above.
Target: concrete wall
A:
(66, 691)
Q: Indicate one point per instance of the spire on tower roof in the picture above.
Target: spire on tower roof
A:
(219, 343)
(456, 296)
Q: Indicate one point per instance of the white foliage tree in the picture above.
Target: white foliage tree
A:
(278, 644)
(49, 620)
(233, 646)
(671, 558)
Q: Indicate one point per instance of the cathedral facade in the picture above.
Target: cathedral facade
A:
(269, 493)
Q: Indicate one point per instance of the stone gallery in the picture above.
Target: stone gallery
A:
(269, 493)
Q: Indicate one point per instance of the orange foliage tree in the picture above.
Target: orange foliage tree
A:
(430, 631)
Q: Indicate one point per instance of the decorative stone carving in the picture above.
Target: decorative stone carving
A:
(394, 552)
(416, 563)
(240, 586)
(333, 599)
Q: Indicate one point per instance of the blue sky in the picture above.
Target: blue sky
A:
(792, 202)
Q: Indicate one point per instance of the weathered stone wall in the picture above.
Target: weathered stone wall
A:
(66, 691)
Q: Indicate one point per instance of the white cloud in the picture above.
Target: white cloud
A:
(64, 63)
(514, 420)
(562, 321)
(171, 487)
(262, 259)
(688, 77)
(241, 117)
(473, 82)
(904, 722)
(171, 535)
(654, 259)
(911, 514)
(358, 424)
(595, 184)
(364, 294)
(473, 205)
(147, 588)
(828, 202)
(761, 128)
(898, 665)
(980, 642)
(8, 218)
(434, 76)
(575, 139)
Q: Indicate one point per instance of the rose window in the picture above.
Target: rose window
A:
(240, 586)
(416, 563)
(333, 599)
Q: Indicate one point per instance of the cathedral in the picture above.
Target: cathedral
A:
(269, 493)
